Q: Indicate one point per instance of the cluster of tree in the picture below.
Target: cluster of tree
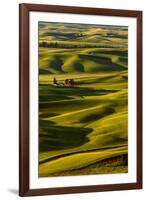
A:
(73, 45)
(65, 45)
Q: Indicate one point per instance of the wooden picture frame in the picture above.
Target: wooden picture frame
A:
(24, 138)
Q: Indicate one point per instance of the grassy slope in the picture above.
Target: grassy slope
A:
(79, 160)
(73, 62)
(117, 164)
(70, 130)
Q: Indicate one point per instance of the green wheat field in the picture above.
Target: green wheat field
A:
(83, 127)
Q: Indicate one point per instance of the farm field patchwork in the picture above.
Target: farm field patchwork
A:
(83, 126)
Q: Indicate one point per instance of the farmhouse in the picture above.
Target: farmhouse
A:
(67, 83)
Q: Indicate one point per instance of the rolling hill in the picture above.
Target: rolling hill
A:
(83, 129)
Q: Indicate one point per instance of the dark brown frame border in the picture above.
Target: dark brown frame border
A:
(24, 10)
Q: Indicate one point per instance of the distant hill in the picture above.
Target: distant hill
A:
(65, 48)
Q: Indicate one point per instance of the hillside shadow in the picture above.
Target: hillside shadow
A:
(60, 93)
(55, 63)
(53, 137)
(98, 115)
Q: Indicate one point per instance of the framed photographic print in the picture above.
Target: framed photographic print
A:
(80, 99)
